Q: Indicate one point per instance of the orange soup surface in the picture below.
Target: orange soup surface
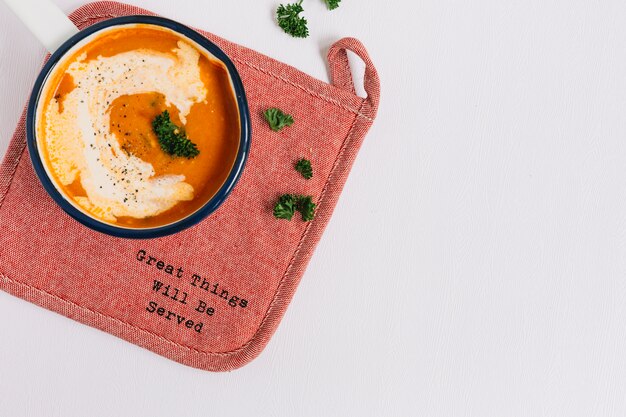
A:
(96, 135)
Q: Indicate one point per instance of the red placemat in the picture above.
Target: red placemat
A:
(211, 296)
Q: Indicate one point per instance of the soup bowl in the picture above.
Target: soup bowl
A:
(44, 163)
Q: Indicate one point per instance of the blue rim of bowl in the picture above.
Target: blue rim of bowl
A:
(213, 203)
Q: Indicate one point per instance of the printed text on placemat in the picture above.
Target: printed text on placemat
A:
(197, 298)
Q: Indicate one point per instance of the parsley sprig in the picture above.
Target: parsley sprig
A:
(290, 21)
(303, 166)
(288, 204)
(285, 207)
(306, 207)
(332, 4)
(172, 138)
(277, 119)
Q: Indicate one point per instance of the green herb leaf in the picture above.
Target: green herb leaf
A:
(172, 138)
(288, 204)
(306, 207)
(285, 207)
(332, 4)
(290, 21)
(277, 119)
(303, 166)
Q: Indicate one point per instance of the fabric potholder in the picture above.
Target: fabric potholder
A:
(235, 272)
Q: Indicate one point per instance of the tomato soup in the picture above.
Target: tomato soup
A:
(96, 126)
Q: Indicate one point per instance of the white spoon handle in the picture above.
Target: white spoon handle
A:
(45, 20)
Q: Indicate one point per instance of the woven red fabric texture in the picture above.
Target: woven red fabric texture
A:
(49, 259)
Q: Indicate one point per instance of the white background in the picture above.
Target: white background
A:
(475, 264)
